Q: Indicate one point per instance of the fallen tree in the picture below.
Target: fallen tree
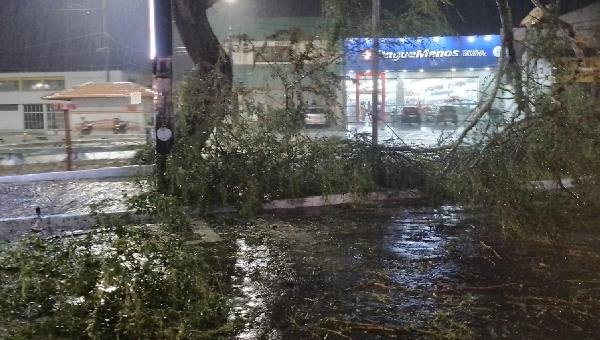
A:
(552, 135)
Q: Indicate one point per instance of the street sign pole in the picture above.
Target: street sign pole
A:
(69, 147)
(163, 87)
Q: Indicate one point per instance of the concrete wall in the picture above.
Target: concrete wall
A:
(11, 121)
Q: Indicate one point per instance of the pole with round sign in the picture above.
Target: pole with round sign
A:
(163, 86)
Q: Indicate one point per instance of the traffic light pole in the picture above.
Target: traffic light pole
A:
(163, 87)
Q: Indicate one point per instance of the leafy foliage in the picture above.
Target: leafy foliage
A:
(310, 73)
(352, 18)
(248, 162)
(130, 284)
(242, 154)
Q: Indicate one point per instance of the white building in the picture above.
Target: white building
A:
(105, 108)
(22, 108)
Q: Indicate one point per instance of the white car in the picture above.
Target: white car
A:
(315, 116)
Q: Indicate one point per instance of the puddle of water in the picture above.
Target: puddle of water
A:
(420, 239)
(252, 298)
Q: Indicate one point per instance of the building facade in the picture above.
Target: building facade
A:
(258, 48)
(106, 108)
(22, 108)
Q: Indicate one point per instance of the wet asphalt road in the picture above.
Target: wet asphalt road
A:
(369, 273)
(294, 278)
(404, 273)
(64, 197)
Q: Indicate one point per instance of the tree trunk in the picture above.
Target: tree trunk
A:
(199, 39)
(514, 67)
(206, 98)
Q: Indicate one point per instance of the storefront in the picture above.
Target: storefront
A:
(420, 72)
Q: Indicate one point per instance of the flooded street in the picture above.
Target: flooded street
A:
(393, 273)
(308, 276)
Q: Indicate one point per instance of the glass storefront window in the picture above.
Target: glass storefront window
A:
(399, 89)
(440, 91)
(391, 87)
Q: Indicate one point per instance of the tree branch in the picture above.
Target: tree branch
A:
(513, 63)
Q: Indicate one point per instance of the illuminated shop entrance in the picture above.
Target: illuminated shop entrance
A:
(423, 73)
(362, 94)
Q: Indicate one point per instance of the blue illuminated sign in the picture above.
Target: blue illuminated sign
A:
(429, 53)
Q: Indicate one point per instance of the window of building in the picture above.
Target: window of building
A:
(9, 85)
(55, 119)
(34, 116)
(273, 54)
(43, 84)
(9, 107)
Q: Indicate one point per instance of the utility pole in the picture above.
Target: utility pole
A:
(375, 71)
(163, 86)
(105, 36)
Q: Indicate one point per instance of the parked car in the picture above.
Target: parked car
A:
(429, 114)
(447, 114)
(410, 115)
(315, 116)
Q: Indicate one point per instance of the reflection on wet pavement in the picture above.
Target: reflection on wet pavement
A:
(64, 197)
(293, 276)
(378, 274)
(251, 298)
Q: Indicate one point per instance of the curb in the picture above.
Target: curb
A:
(340, 199)
(12, 228)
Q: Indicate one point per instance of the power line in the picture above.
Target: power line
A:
(124, 45)
(20, 49)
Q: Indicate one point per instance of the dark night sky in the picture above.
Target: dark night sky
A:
(466, 16)
(56, 34)
(481, 16)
